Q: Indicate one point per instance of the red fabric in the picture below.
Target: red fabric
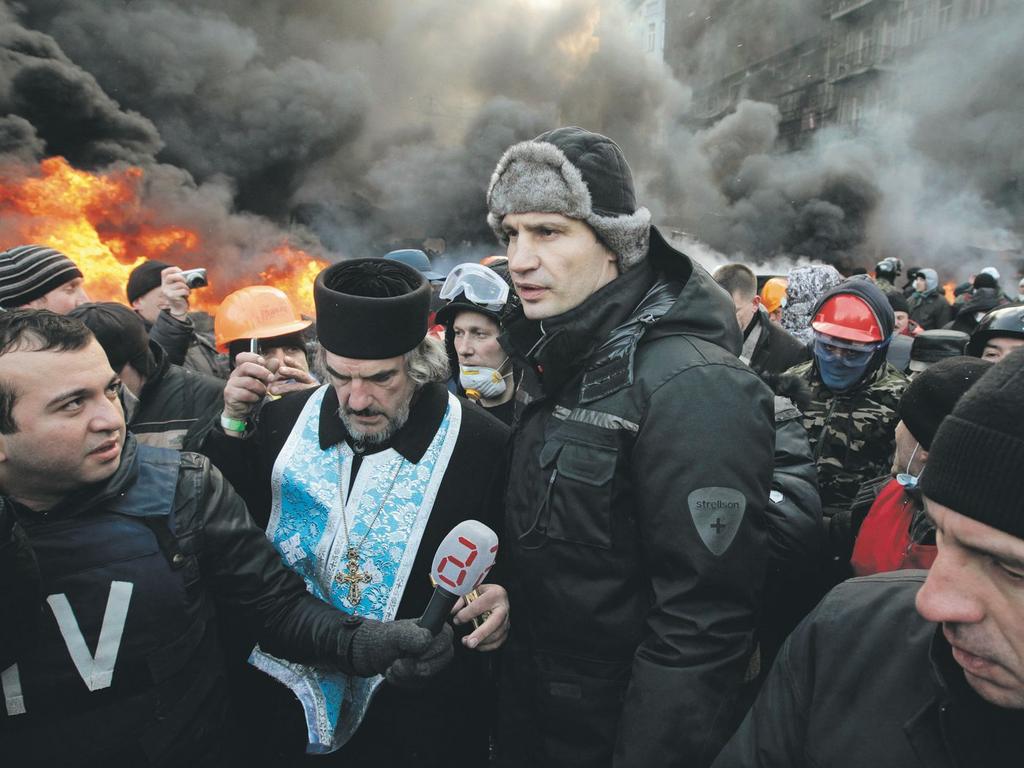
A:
(883, 543)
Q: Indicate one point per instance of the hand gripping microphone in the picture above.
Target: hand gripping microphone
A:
(460, 564)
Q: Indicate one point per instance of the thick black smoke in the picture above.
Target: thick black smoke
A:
(377, 123)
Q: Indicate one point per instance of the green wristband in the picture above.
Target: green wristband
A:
(232, 425)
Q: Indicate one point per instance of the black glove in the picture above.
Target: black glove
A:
(377, 645)
(414, 673)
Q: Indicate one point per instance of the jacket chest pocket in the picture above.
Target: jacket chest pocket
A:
(579, 493)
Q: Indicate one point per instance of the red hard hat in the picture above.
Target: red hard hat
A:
(849, 317)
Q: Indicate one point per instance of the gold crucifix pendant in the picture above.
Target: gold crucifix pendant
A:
(353, 577)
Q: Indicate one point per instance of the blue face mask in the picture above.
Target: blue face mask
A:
(906, 479)
(840, 369)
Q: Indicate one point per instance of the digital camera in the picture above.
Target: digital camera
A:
(195, 278)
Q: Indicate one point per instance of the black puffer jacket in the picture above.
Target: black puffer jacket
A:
(777, 350)
(865, 681)
(182, 542)
(978, 304)
(635, 524)
(796, 532)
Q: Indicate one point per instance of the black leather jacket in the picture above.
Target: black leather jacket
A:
(635, 525)
(182, 542)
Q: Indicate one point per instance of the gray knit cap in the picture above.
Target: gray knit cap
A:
(28, 272)
(579, 174)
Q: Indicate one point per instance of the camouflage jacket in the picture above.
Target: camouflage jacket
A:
(852, 435)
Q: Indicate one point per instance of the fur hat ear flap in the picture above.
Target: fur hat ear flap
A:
(538, 176)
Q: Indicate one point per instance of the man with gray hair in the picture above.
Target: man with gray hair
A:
(357, 482)
(640, 471)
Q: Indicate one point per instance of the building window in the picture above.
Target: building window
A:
(945, 14)
(915, 24)
(652, 36)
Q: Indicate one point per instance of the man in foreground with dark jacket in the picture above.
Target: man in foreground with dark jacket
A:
(635, 525)
(867, 680)
(165, 405)
(132, 546)
(767, 346)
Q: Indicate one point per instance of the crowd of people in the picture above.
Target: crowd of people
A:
(743, 520)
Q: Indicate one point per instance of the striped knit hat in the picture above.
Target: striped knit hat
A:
(28, 272)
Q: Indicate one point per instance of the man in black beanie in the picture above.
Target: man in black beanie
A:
(640, 474)
(357, 482)
(159, 293)
(867, 680)
(165, 405)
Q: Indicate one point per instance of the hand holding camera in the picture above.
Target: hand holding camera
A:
(177, 284)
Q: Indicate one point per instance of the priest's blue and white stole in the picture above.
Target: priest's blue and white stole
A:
(387, 511)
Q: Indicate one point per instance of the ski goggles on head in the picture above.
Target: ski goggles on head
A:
(852, 354)
(480, 285)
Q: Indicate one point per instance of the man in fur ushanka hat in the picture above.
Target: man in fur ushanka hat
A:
(640, 472)
(357, 483)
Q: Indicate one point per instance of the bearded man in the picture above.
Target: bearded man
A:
(357, 482)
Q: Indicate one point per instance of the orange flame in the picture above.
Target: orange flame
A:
(296, 277)
(101, 222)
(950, 289)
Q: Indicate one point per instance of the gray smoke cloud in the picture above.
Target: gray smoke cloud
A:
(934, 178)
(378, 124)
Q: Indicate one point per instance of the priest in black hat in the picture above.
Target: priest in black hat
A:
(356, 483)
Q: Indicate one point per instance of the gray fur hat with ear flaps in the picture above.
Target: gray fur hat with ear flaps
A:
(579, 174)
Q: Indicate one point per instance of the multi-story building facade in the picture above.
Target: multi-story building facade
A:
(838, 71)
(648, 25)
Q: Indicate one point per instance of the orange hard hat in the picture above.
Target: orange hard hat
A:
(774, 293)
(255, 312)
(848, 317)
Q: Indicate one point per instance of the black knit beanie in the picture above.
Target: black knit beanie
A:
(121, 333)
(974, 466)
(933, 393)
(985, 280)
(898, 302)
(29, 272)
(144, 278)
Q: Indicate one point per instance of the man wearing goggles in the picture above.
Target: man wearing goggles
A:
(478, 297)
(851, 419)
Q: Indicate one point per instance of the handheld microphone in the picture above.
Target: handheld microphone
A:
(460, 564)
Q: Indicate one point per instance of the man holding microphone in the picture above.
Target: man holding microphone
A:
(357, 482)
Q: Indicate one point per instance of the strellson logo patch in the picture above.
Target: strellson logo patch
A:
(717, 513)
